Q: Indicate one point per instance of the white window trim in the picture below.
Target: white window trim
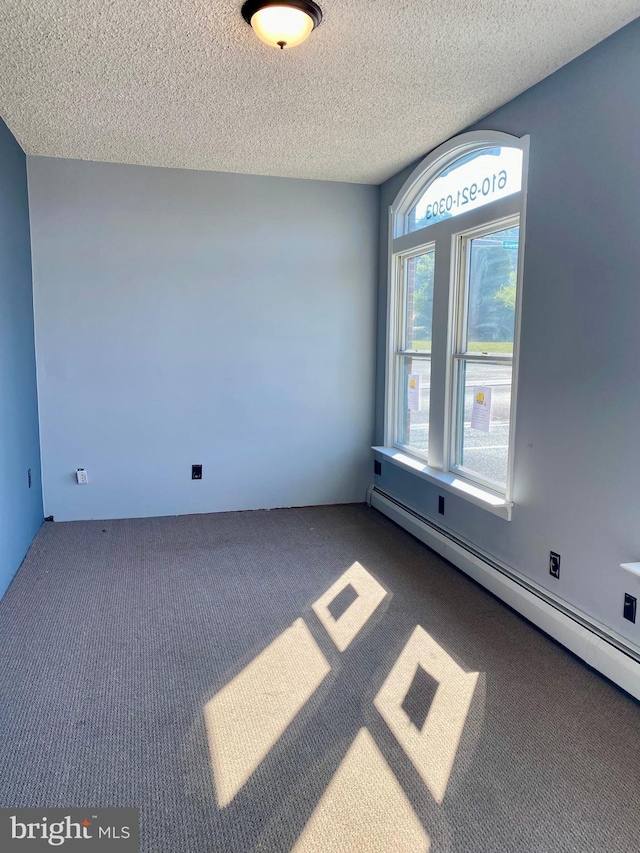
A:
(399, 242)
(495, 504)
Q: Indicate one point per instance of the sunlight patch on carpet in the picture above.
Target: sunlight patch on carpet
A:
(248, 716)
(431, 748)
(369, 595)
(364, 809)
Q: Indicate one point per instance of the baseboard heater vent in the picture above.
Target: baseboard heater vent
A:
(606, 652)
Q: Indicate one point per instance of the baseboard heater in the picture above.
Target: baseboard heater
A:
(606, 652)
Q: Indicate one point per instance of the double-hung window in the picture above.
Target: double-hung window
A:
(456, 243)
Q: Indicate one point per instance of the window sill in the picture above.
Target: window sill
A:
(450, 482)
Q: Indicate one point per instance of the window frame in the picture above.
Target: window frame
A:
(400, 292)
(460, 356)
(447, 238)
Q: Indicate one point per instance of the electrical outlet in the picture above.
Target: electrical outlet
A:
(82, 477)
(629, 610)
(196, 472)
(554, 564)
(441, 504)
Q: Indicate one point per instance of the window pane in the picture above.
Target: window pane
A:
(419, 301)
(491, 294)
(482, 435)
(415, 388)
(472, 181)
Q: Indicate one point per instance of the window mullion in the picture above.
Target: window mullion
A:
(438, 419)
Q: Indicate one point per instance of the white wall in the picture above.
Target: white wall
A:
(194, 317)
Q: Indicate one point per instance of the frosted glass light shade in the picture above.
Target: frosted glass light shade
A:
(282, 23)
(281, 26)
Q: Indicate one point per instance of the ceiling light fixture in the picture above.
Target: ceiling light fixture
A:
(282, 24)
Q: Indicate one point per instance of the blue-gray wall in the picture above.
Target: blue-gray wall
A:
(20, 507)
(195, 317)
(577, 453)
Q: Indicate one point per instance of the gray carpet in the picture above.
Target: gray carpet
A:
(116, 634)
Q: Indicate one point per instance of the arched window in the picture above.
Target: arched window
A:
(456, 241)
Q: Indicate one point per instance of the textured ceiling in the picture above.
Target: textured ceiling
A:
(186, 82)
